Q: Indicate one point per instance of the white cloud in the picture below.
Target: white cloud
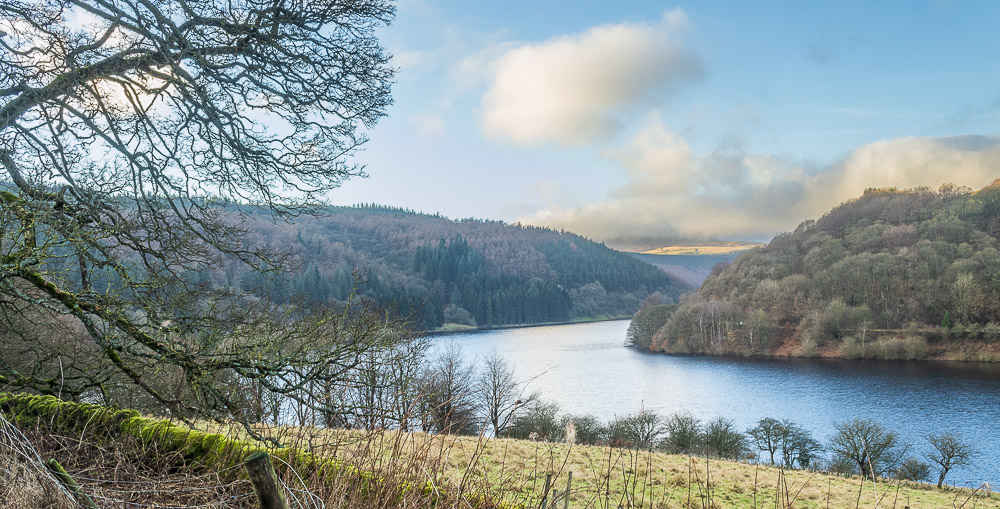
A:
(476, 69)
(972, 161)
(676, 19)
(580, 88)
(729, 193)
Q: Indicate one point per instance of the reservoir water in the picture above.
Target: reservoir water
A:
(585, 369)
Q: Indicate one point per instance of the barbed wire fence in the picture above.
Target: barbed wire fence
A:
(206, 490)
(14, 443)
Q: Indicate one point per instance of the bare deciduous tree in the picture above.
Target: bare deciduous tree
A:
(796, 445)
(448, 394)
(950, 451)
(868, 446)
(500, 394)
(132, 137)
(767, 435)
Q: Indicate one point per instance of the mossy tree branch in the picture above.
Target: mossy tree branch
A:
(132, 149)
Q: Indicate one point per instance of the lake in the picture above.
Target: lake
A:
(586, 370)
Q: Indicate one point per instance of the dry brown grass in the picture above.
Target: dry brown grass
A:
(24, 479)
(125, 473)
(124, 470)
(514, 472)
(390, 470)
(23, 486)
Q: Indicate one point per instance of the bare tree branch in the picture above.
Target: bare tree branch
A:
(132, 144)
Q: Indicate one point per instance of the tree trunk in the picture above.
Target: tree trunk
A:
(941, 477)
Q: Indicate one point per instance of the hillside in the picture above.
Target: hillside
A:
(468, 272)
(704, 248)
(123, 459)
(892, 274)
(690, 268)
(655, 246)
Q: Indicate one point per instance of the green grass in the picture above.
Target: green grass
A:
(604, 477)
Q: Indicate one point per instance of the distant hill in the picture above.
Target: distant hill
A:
(692, 269)
(441, 271)
(705, 248)
(891, 274)
(683, 247)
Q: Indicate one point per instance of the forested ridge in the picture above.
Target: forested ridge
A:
(891, 274)
(438, 270)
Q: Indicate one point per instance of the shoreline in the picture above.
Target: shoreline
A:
(521, 326)
(831, 358)
(957, 359)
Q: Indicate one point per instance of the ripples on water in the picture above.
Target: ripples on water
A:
(586, 370)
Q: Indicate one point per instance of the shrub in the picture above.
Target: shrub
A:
(887, 349)
(837, 317)
(589, 430)
(898, 348)
(839, 465)
(799, 447)
(683, 434)
(915, 347)
(722, 439)
(850, 348)
(973, 331)
(912, 469)
(540, 418)
(991, 331)
(809, 345)
(641, 431)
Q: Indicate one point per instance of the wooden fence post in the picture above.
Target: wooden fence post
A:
(71, 483)
(569, 483)
(265, 482)
(545, 493)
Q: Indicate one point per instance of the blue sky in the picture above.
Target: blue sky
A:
(732, 120)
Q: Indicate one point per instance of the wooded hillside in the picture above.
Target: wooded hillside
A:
(468, 272)
(900, 266)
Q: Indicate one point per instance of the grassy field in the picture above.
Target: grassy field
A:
(515, 471)
(125, 460)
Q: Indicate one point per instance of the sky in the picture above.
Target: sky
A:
(722, 120)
